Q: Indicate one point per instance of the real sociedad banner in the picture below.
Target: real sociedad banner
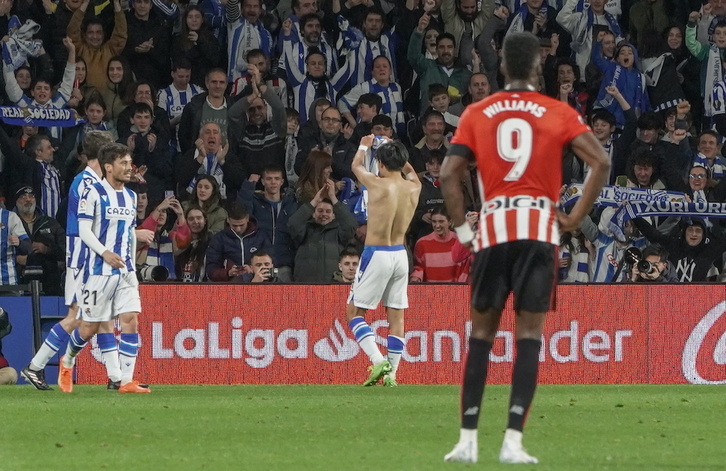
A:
(629, 211)
(617, 195)
(42, 117)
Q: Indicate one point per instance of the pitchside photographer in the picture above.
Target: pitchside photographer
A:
(653, 267)
(263, 270)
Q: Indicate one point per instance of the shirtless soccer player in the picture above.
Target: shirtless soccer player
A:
(383, 268)
(516, 138)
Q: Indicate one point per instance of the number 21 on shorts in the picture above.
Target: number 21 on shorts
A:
(89, 296)
(514, 144)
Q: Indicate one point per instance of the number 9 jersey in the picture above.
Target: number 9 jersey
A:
(517, 138)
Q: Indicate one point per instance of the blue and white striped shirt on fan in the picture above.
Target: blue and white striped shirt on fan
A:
(173, 101)
(10, 224)
(362, 63)
(114, 218)
(392, 101)
(50, 193)
(76, 250)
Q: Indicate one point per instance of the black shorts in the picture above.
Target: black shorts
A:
(524, 267)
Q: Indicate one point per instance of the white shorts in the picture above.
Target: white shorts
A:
(382, 276)
(74, 279)
(104, 297)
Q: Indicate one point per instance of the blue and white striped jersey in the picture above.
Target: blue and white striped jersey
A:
(76, 250)
(608, 256)
(50, 191)
(360, 61)
(292, 60)
(10, 225)
(173, 100)
(242, 37)
(114, 218)
(391, 95)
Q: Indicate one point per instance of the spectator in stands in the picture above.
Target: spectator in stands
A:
(709, 146)
(660, 271)
(647, 16)
(170, 236)
(8, 375)
(382, 85)
(142, 202)
(150, 149)
(689, 75)
(574, 258)
(294, 53)
(243, 85)
(302, 10)
(292, 145)
(245, 32)
(263, 269)
(81, 88)
(347, 266)
(660, 71)
(699, 189)
(143, 91)
(368, 106)
(18, 244)
(439, 256)
(477, 90)
(430, 197)
(148, 46)
(190, 261)
(593, 74)
(314, 175)
(692, 251)
(207, 197)
(444, 70)
(42, 91)
(464, 23)
(584, 24)
(196, 45)
(272, 209)
(230, 251)
(48, 248)
(712, 78)
(260, 140)
(210, 156)
(375, 42)
(210, 107)
(567, 86)
(644, 171)
(330, 140)
(439, 100)
(624, 74)
(320, 229)
(608, 263)
(433, 129)
(116, 89)
(540, 18)
(91, 44)
(175, 97)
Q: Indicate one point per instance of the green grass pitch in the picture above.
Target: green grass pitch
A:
(589, 428)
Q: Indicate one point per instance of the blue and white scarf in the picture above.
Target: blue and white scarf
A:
(614, 196)
(210, 166)
(629, 211)
(517, 25)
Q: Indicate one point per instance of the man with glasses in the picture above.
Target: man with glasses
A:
(330, 140)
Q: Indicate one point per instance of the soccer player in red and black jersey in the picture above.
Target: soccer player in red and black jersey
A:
(516, 137)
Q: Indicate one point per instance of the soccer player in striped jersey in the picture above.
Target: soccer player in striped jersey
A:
(516, 138)
(106, 222)
(76, 253)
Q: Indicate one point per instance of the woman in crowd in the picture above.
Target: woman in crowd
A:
(81, 89)
(169, 236)
(574, 258)
(119, 81)
(207, 197)
(197, 44)
(190, 261)
(439, 256)
(314, 175)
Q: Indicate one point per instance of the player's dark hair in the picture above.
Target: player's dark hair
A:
(371, 99)
(93, 141)
(237, 211)
(520, 55)
(393, 155)
(109, 153)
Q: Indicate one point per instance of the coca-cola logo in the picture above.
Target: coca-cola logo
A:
(701, 337)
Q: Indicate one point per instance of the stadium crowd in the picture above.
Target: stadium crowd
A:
(243, 118)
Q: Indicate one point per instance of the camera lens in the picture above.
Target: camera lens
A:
(645, 266)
